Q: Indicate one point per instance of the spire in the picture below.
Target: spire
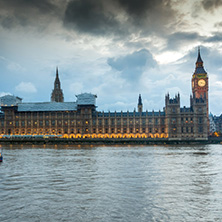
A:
(57, 94)
(57, 73)
(199, 64)
(140, 104)
(140, 100)
(57, 81)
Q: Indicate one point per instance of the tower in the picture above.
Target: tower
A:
(57, 94)
(140, 104)
(199, 103)
(200, 81)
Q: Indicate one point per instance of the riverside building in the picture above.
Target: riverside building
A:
(81, 119)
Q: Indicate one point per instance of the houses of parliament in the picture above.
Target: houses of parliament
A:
(81, 119)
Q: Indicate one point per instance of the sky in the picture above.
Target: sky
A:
(116, 49)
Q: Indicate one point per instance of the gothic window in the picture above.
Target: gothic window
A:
(174, 130)
(200, 129)
(173, 120)
(156, 121)
(200, 120)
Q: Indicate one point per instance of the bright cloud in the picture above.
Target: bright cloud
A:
(26, 87)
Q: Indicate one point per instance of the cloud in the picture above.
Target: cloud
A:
(118, 17)
(25, 12)
(90, 16)
(211, 5)
(26, 87)
(131, 66)
(216, 37)
(179, 39)
(4, 94)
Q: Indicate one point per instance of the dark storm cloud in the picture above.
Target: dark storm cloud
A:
(89, 16)
(210, 5)
(25, 12)
(132, 65)
(118, 16)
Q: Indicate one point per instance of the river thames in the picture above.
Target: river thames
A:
(111, 183)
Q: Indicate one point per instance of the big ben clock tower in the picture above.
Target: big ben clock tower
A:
(200, 81)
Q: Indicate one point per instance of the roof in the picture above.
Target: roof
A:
(47, 106)
(200, 70)
(9, 100)
(86, 99)
(130, 114)
(199, 65)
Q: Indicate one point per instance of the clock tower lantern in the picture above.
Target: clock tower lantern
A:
(200, 81)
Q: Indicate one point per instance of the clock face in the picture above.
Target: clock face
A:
(201, 82)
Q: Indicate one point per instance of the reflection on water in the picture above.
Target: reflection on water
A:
(130, 183)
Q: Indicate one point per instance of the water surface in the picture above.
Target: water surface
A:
(121, 183)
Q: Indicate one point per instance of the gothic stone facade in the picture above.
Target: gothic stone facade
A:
(81, 119)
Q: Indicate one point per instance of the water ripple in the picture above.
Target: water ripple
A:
(146, 183)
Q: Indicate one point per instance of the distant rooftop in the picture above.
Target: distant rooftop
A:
(86, 99)
(9, 100)
(46, 106)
